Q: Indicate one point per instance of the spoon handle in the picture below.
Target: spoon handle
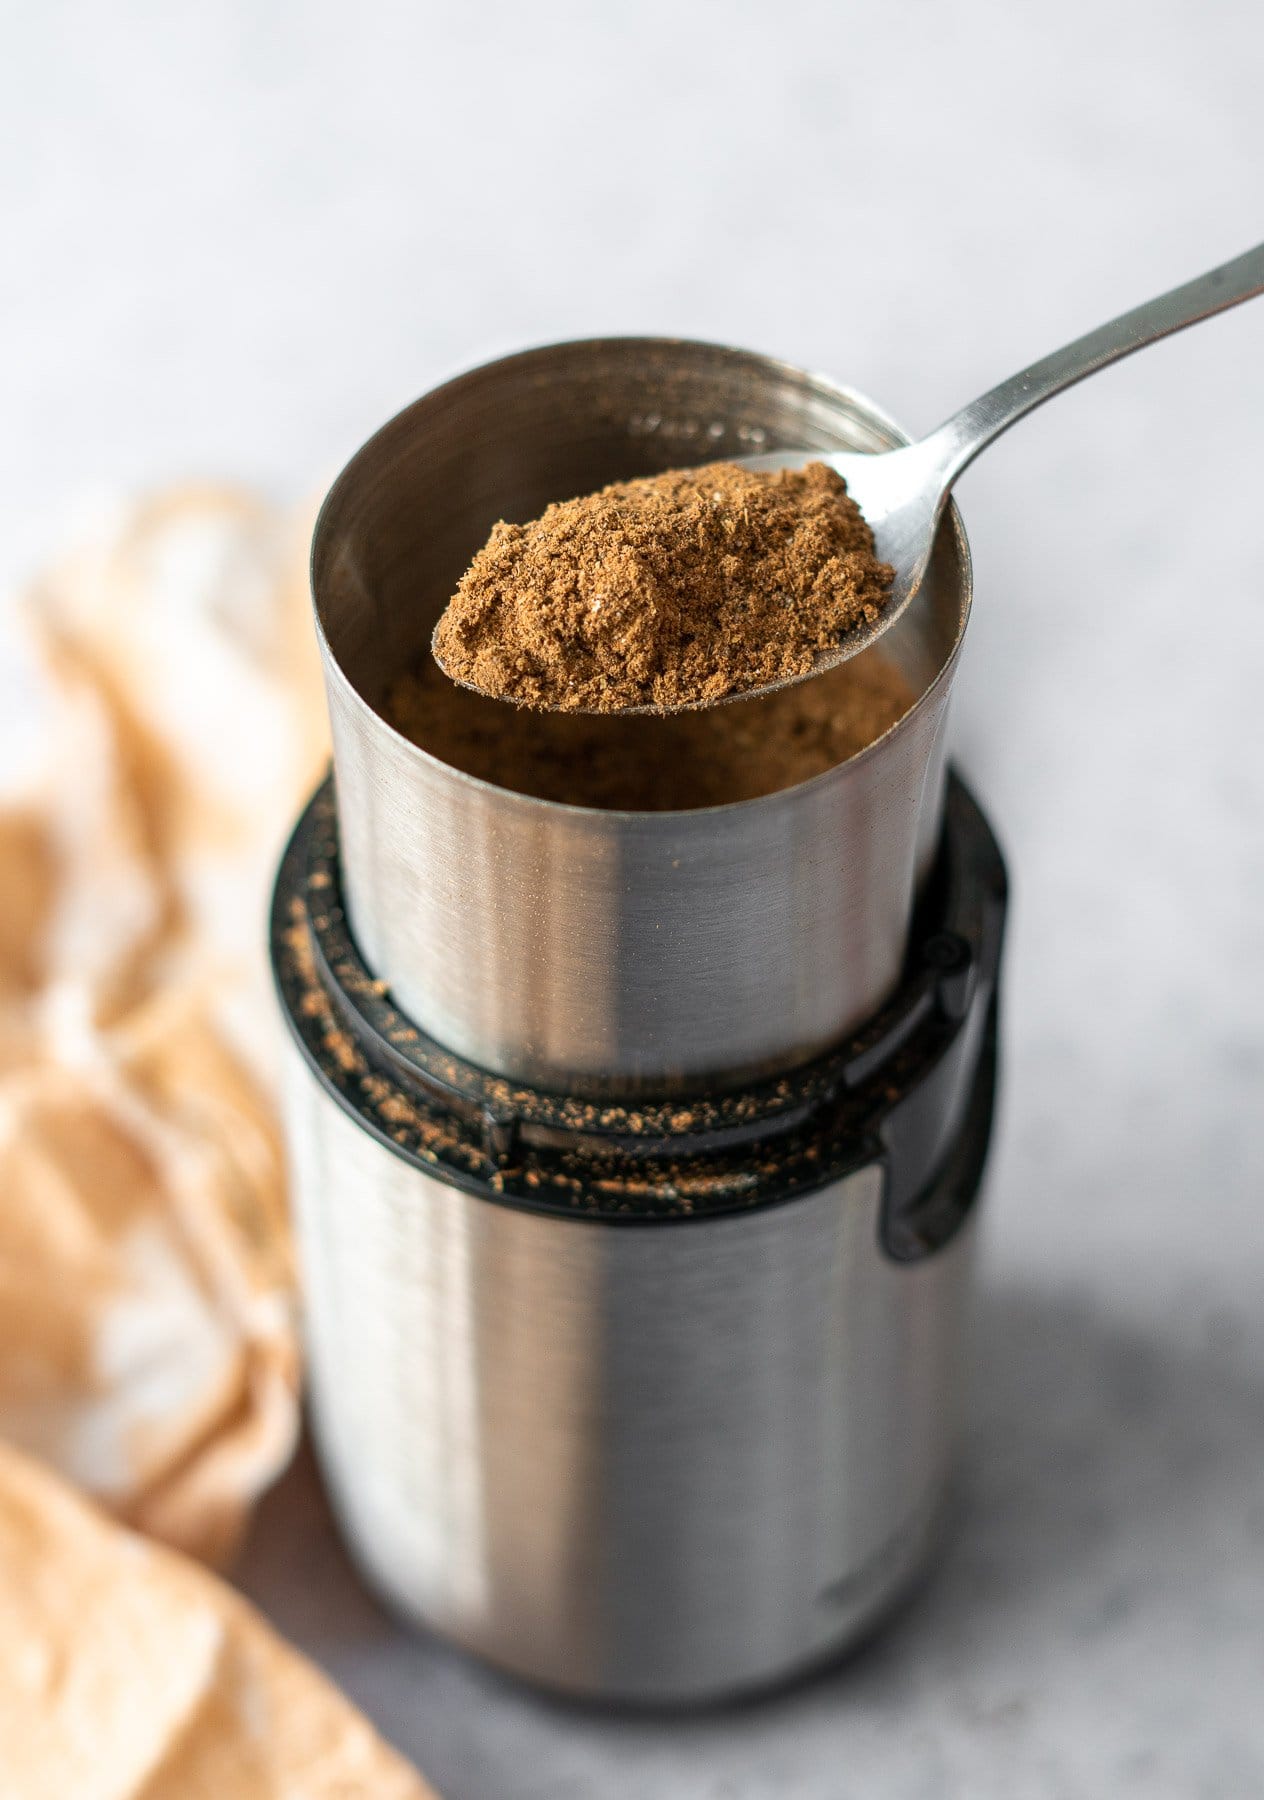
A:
(958, 440)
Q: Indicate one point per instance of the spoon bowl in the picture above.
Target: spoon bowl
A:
(902, 502)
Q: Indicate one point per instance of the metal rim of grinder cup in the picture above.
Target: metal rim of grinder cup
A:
(635, 1155)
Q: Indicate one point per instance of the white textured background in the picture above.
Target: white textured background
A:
(236, 236)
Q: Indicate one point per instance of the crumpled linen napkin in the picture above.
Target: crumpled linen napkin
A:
(160, 719)
(128, 1673)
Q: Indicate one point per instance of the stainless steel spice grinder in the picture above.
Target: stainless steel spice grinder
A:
(636, 1155)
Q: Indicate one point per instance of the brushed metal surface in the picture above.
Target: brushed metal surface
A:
(661, 1461)
(567, 946)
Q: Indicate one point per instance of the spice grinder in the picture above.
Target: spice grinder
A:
(636, 1155)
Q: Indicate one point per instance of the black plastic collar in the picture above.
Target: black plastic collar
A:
(912, 1089)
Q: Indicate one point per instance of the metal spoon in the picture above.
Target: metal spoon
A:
(903, 492)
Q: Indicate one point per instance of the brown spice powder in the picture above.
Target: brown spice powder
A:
(708, 758)
(679, 588)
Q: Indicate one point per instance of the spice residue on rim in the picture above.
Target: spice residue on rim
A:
(677, 589)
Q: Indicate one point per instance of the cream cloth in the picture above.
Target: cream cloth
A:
(165, 720)
(160, 719)
(127, 1673)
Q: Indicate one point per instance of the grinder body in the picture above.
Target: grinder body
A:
(647, 1402)
(636, 1156)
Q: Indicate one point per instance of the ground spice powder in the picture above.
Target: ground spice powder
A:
(674, 589)
(645, 764)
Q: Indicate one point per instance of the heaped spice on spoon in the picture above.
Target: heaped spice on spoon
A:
(676, 589)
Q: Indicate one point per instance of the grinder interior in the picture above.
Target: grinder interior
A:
(427, 490)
